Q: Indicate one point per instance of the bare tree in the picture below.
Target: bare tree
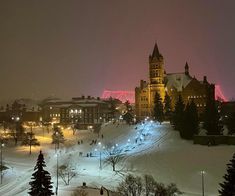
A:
(30, 140)
(135, 186)
(67, 173)
(149, 183)
(57, 137)
(131, 186)
(113, 157)
(173, 190)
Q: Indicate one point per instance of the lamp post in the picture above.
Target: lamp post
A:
(31, 137)
(100, 151)
(57, 174)
(56, 141)
(57, 162)
(100, 154)
(2, 145)
(202, 174)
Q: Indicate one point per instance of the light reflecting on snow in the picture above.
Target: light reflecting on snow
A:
(151, 148)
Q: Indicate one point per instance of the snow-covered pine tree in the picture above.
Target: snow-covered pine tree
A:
(158, 108)
(228, 186)
(41, 184)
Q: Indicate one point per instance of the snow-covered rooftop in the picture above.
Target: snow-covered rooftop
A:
(177, 80)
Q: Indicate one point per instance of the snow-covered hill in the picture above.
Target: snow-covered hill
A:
(150, 149)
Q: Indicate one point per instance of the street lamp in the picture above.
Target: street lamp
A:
(56, 141)
(202, 174)
(100, 149)
(31, 137)
(57, 174)
(100, 154)
(2, 145)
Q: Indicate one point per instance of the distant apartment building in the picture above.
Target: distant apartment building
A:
(174, 84)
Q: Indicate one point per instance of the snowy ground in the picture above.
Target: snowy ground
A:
(160, 153)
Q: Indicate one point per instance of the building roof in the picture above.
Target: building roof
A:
(177, 81)
(156, 52)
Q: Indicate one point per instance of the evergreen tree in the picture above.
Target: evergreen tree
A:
(190, 121)
(128, 117)
(158, 108)
(178, 114)
(211, 116)
(194, 118)
(128, 106)
(112, 106)
(167, 106)
(41, 184)
(57, 136)
(228, 186)
(20, 130)
(185, 126)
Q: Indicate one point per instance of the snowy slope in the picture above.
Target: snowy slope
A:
(160, 152)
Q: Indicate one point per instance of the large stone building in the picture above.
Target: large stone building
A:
(81, 111)
(174, 84)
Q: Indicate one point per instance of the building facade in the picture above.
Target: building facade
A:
(80, 111)
(174, 84)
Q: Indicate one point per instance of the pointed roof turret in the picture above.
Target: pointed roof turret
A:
(186, 68)
(156, 52)
(186, 64)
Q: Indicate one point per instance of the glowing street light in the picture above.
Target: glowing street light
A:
(100, 151)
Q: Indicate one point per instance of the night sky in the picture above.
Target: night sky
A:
(69, 48)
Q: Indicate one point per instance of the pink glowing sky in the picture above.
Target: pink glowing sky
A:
(75, 47)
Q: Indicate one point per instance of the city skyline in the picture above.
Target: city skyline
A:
(67, 49)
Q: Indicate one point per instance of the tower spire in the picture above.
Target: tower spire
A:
(156, 52)
(186, 68)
